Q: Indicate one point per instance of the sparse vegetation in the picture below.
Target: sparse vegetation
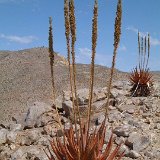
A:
(141, 78)
(83, 144)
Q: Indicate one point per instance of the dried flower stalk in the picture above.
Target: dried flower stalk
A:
(73, 38)
(117, 33)
(145, 50)
(51, 55)
(148, 51)
(139, 51)
(94, 43)
(67, 33)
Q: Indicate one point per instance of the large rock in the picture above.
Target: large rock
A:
(128, 108)
(137, 141)
(29, 152)
(83, 95)
(99, 105)
(34, 112)
(96, 107)
(28, 137)
(115, 93)
(123, 131)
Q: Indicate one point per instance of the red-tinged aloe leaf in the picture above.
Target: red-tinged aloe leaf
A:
(121, 155)
(84, 138)
(72, 151)
(56, 150)
(71, 146)
(101, 142)
(108, 149)
(114, 153)
(62, 148)
(91, 153)
(70, 155)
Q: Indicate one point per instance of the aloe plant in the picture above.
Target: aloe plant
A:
(83, 144)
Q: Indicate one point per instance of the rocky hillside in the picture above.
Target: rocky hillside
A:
(25, 78)
(135, 122)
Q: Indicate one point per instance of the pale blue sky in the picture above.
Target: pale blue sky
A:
(24, 24)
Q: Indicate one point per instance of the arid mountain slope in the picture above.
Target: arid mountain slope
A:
(25, 78)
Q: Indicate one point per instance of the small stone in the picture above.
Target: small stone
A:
(111, 108)
(134, 123)
(15, 127)
(68, 107)
(133, 154)
(11, 137)
(59, 133)
(3, 135)
(107, 135)
(130, 111)
(122, 131)
(158, 126)
(99, 105)
(146, 115)
(114, 116)
(149, 154)
(128, 108)
(116, 93)
(98, 120)
(13, 146)
(49, 130)
(123, 149)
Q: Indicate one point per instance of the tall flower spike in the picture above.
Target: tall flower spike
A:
(117, 25)
(145, 50)
(148, 51)
(94, 43)
(139, 51)
(51, 55)
(67, 33)
(73, 37)
(50, 39)
(142, 53)
(117, 33)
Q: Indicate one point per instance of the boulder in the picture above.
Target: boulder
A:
(28, 137)
(123, 131)
(137, 141)
(29, 152)
(34, 112)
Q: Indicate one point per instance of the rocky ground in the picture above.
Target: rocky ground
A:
(135, 121)
(28, 121)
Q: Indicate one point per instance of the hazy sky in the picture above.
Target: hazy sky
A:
(24, 24)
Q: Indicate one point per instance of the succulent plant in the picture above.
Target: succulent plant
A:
(141, 81)
(92, 148)
(141, 78)
(82, 144)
